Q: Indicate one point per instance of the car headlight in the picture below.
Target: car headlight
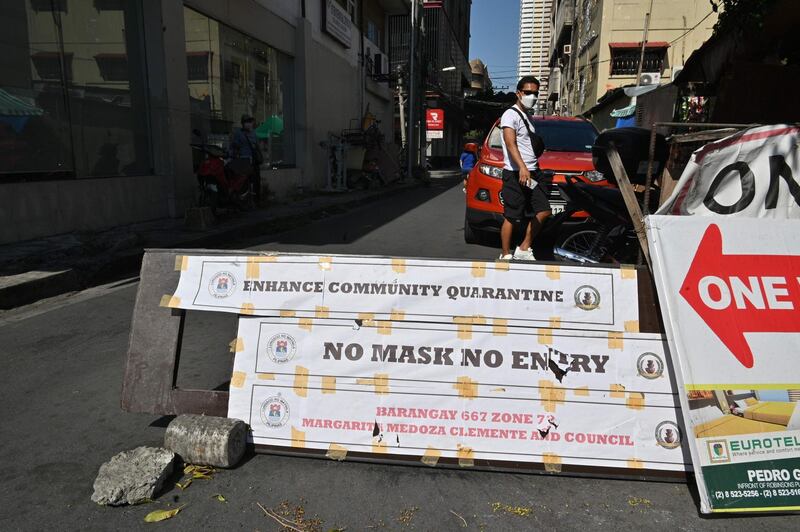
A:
(594, 176)
(491, 171)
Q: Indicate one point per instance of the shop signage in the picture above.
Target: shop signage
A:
(436, 391)
(729, 290)
(434, 119)
(336, 22)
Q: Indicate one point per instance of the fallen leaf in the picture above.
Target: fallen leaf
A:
(201, 476)
(161, 515)
(185, 484)
(219, 497)
(189, 469)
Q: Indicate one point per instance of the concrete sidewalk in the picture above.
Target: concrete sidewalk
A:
(47, 267)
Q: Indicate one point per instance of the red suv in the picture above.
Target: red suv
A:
(568, 151)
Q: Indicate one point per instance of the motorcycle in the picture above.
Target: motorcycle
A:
(220, 185)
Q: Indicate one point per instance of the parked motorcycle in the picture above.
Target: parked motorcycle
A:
(607, 235)
(219, 184)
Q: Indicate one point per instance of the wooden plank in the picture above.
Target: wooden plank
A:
(631, 202)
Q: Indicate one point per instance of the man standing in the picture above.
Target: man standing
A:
(246, 153)
(525, 201)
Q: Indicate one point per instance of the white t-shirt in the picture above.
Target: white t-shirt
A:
(511, 119)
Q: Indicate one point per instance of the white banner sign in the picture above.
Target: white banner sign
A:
(353, 287)
(729, 290)
(754, 173)
(471, 393)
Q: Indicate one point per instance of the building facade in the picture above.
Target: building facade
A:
(480, 81)
(100, 100)
(535, 29)
(606, 43)
(443, 70)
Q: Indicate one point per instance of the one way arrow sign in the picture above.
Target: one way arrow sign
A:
(738, 294)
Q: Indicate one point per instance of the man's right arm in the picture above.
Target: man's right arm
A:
(510, 138)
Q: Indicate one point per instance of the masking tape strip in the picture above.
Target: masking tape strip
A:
(379, 380)
(635, 463)
(380, 447)
(385, 328)
(328, 385)
(236, 346)
(477, 319)
(465, 332)
(431, 456)
(617, 391)
(252, 271)
(301, 381)
(553, 272)
(305, 323)
(478, 269)
(552, 462)
(247, 308)
(545, 336)
(238, 378)
(635, 401)
(466, 457)
(321, 312)
(615, 340)
(366, 316)
(632, 326)
(627, 271)
(336, 452)
(288, 314)
(500, 327)
(261, 259)
(266, 376)
(382, 383)
(325, 263)
(399, 265)
(582, 391)
(181, 263)
(555, 323)
(298, 438)
(397, 315)
(502, 266)
(170, 302)
(551, 395)
(466, 387)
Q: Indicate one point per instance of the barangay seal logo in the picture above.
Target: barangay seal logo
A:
(650, 365)
(275, 411)
(587, 297)
(668, 435)
(718, 451)
(222, 285)
(281, 348)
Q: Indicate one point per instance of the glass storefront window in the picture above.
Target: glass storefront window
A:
(231, 74)
(72, 89)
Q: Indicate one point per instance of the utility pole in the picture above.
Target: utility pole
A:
(412, 87)
(644, 44)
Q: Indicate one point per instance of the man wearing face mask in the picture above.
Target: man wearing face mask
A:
(524, 198)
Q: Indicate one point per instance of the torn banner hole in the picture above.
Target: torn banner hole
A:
(557, 363)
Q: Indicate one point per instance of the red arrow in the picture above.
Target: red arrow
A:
(735, 294)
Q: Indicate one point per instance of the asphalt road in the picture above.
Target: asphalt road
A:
(62, 370)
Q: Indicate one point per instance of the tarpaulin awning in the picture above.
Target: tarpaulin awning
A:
(625, 111)
(638, 45)
(13, 106)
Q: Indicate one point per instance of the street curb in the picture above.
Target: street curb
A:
(129, 261)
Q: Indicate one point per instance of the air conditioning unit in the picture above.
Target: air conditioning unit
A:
(650, 78)
(567, 49)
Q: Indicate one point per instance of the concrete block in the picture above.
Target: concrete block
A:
(207, 440)
(132, 477)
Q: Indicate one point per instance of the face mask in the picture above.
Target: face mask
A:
(528, 101)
